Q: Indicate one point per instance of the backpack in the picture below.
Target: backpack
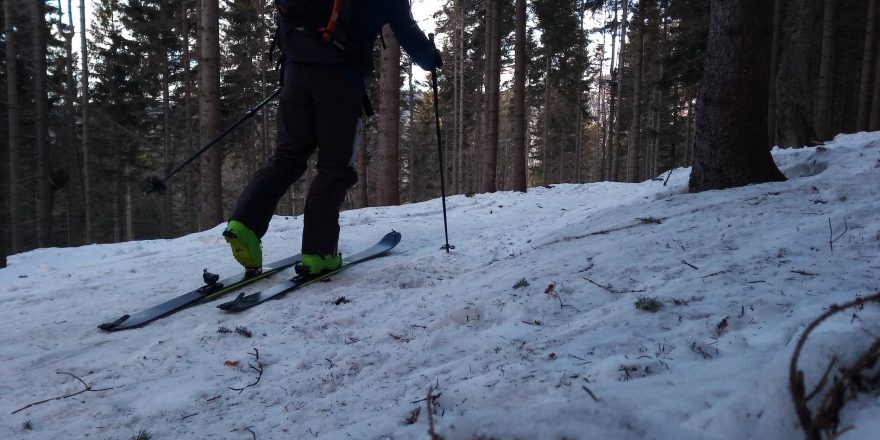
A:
(315, 31)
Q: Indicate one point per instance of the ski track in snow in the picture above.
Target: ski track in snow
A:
(507, 362)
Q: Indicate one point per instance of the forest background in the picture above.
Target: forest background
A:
(531, 93)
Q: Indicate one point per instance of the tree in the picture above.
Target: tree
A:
(794, 117)
(211, 212)
(41, 123)
(492, 78)
(519, 149)
(86, 156)
(731, 134)
(867, 70)
(13, 116)
(389, 122)
(826, 75)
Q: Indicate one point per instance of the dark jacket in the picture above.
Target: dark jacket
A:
(367, 18)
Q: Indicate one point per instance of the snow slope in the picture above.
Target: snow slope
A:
(506, 362)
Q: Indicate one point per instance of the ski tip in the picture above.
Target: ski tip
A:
(110, 326)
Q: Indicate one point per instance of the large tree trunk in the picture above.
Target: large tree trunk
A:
(14, 136)
(41, 122)
(493, 75)
(608, 138)
(794, 121)
(86, 156)
(826, 74)
(519, 147)
(635, 127)
(616, 143)
(211, 212)
(731, 138)
(867, 73)
(874, 120)
(71, 147)
(778, 12)
(389, 122)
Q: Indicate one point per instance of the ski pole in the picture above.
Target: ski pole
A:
(447, 246)
(157, 185)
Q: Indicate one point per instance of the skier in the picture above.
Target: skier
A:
(327, 51)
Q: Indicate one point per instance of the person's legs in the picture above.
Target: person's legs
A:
(338, 111)
(295, 143)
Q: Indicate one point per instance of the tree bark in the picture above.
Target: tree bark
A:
(389, 122)
(493, 75)
(41, 111)
(635, 128)
(519, 148)
(607, 149)
(778, 13)
(545, 159)
(731, 133)
(616, 144)
(13, 119)
(211, 212)
(362, 198)
(867, 73)
(70, 156)
(826, 74)
(86, 154)
(794, 121)
(874, 120)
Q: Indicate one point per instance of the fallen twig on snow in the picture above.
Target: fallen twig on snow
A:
(849, 379)
(87, 388)
(430, 405)
(831, 238)
(258, 369)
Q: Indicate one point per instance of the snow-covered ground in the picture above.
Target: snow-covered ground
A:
(507, 362)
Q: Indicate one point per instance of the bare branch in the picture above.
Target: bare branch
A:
(87, 388)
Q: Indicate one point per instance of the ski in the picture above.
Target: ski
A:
(214, 288)
(244, 302)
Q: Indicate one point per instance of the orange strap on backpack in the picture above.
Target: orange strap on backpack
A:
(331, 25)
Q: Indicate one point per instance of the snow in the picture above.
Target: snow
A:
(506, 362)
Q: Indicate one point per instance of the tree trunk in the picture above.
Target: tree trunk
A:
(462, 161)
(389, 122)
(519, 148)
(71, 148)
(41, 122)
(362, 199)
(794, 121)
(493, 75)
(14, 136)
(874, 120)
(778, 13)
(86, 156)
(826, 74)
(616, 144)
(167, 220)
(635, 129)
(455, 182)
(607, 148)
(731, 133)
(211, 212)
(545, 159)
(866, 82)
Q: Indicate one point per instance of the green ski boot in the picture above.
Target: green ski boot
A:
(245, 246)
(314, 264)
